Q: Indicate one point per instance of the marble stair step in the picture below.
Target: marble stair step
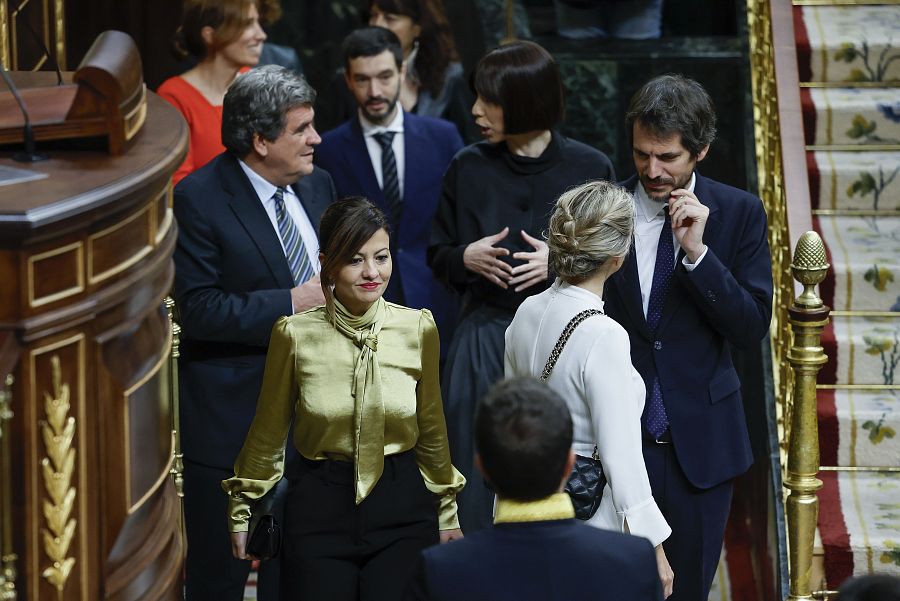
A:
(859, 427)
(859, 524)
(851, 117)
(864, 252)
(854, 181)
(862, 350)
(848, 43)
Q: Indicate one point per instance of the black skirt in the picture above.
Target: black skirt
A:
(474, 363)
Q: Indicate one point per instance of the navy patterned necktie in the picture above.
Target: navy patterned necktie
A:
(656, 422)
(390, 186)
(294, 249)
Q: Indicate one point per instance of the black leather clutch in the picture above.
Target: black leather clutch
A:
(264, 541)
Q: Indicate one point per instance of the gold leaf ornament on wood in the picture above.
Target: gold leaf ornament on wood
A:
(58, 468)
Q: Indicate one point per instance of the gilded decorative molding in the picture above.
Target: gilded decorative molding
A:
(58, 467)
(4, 37)
(7, 557)
(59, 30)
(178, 460)
(134, 120)
(771, 190)
(97, 239)
(33, 273)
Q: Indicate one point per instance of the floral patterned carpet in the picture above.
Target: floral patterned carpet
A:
(849, 59)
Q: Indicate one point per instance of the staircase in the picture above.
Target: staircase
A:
(849, 69)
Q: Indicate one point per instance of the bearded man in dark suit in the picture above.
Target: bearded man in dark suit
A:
(697, 284)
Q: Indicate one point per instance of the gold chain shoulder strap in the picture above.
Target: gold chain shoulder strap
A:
(564, 338)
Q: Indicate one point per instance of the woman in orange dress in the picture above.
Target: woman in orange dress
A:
(225, 38)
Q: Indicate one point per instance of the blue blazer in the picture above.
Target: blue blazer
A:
(558, 560)
(430, 144)
(232, 282)
(725, 303)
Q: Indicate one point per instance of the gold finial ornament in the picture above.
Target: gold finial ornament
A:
(809, 267)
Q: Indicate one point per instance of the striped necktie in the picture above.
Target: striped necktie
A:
(294, 249)
(390, 185)
(656, 421)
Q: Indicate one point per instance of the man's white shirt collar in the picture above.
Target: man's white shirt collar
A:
(370, 129)
(263, 187)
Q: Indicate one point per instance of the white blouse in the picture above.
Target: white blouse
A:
(605, 395)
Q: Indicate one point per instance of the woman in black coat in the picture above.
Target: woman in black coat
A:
(487, 237)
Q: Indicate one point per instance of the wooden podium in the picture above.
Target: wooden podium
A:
(89, 510)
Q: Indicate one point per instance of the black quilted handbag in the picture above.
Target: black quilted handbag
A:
(264, 541)
(587, 480)
(585, 486)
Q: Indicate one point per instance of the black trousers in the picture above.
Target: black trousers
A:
(335, 550)
(211, 571)
(697, 517)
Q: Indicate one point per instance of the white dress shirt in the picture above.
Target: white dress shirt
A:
(369, 130)
(266, 192)
(605, 395)
(649, 216)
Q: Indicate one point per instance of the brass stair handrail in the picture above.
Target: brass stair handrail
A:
(795, 328)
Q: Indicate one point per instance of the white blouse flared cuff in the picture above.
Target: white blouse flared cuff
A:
(644, 519)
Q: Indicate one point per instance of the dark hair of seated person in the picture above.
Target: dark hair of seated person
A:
(674, 104)
(871, 587)
(522, 79)
(523, 435)
(436, 46)
(371, 41)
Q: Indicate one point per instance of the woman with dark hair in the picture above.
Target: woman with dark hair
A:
(434, 85)
(357, 380)
(486, 240)
(589, 236)
(224, 37)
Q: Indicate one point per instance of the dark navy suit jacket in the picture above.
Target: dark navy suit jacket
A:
(724, 303)
(232, 282)
(560, 560)
(430, 144)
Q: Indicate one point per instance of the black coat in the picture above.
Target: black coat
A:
(487, 188)
(558, 560)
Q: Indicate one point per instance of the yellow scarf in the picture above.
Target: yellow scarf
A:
(368, 412)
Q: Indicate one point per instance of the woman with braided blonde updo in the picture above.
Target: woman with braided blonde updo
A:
(589, 236)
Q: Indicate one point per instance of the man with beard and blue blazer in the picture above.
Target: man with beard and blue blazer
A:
(536, 548)
(697, 284)
(397, 160)
(247, 254)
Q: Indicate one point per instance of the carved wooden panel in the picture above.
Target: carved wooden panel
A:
(87, 253)
(55, 274)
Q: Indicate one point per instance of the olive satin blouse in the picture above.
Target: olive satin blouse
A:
(310, 372)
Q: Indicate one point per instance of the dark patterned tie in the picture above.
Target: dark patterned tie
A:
(655, 419)
(294, 249)
(390, 186)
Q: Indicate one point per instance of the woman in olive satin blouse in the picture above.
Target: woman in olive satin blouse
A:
(359, 378)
